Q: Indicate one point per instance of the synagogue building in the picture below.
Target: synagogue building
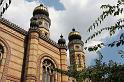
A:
(31, 56)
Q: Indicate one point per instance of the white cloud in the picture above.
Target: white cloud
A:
(20, 12)
(74, 3)
(72, 16)
(78, 13)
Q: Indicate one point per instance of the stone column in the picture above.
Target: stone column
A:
(31, 75)
(63, 62)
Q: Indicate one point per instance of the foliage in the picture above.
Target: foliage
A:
(101, 72)
(109, 10)
(121, 52)
(4, 4)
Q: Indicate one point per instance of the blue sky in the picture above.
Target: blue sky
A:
(52, 3)
(66, 14)
(111, 53)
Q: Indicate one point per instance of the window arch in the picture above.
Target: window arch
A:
(48, 74)
(1, 53)
(5, 57)
(79, 60)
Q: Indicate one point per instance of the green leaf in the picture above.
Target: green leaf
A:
(90, 49)
(118, 44)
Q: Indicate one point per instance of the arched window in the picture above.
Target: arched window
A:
(48, 73)
(79, 60)
(1, 53)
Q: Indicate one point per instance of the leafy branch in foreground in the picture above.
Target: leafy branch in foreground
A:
(121, 52)
(101, 72)
(99, 46)
(119, 25)
(112, 29)
(110, 10)
(4, 4)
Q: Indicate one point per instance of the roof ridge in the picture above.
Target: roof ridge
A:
(47, 39)
(13, 26)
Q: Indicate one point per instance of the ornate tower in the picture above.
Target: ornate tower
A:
(75, 45)
(41, 20)
(63, 57)
(39, 26)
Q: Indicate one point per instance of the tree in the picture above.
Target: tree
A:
(4, 4)
(110, 10)
(101, 72)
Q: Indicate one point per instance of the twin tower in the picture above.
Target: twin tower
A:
(40, 23)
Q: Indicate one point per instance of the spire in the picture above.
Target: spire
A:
(41, 4)
(61, 40)
(73, 29)
(61, 36)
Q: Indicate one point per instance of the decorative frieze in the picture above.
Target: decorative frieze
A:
(47, 39)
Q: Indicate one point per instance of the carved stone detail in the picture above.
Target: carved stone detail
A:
(8, 53)
(41, 58)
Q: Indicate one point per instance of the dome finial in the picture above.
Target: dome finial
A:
(61, 40)
(73, 29)
(61, 36)
(41, 4)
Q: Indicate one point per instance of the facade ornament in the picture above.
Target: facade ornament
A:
(1, 53)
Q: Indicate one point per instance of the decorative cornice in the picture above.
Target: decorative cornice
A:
(13, 26)
(77, 41)
(62, 46)
(34, 29)
(41, 16)
(47, 39)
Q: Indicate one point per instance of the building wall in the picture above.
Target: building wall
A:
(39, 51)
(12, 61)
(50, 52)
(11, 67)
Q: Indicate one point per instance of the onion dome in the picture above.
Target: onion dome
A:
(42, 9)
(74, 35)
(61, 40)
